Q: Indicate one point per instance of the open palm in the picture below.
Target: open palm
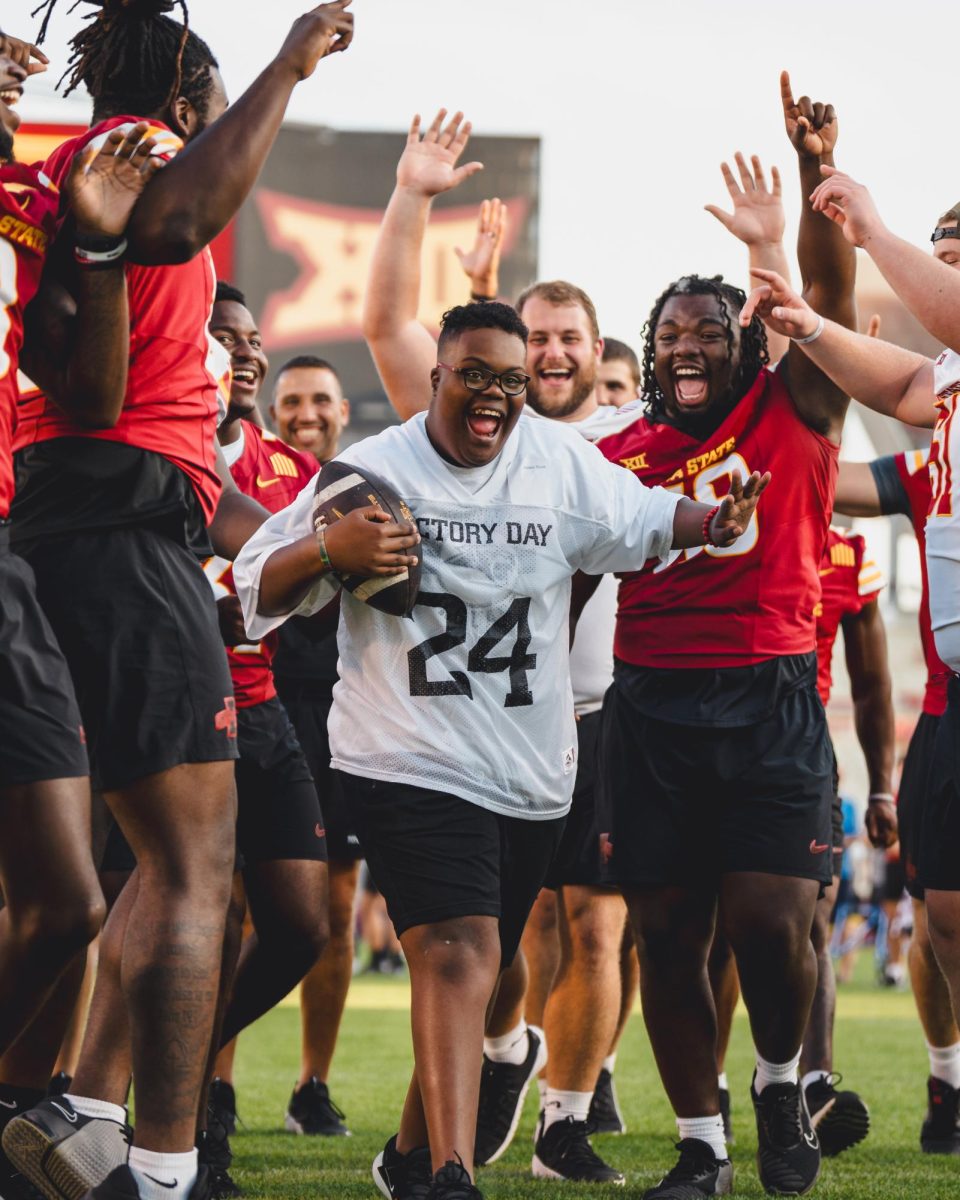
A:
(104, 190)
(757, 216)
(429, 165)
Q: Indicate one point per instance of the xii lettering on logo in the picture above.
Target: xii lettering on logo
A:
(226, 718)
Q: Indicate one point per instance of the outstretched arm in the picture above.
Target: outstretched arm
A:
(865, 648)
(758, 221)
(884, 377)
(857, 494)
(828, 268)
(210, 178)
(402, 348)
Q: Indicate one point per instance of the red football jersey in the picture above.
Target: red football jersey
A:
(848, 581)
(171, 402)
(915, 475)
(273, 474)
(752, 601)
(28, 221)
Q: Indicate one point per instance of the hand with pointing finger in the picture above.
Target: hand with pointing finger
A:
(811, 125)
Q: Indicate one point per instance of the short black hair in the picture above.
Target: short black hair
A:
(489, 314)
(310, 360)
(614, 351)
(227, 292)
(134, 59)
(753, 340)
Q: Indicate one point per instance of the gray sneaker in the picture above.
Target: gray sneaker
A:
(62, 1152)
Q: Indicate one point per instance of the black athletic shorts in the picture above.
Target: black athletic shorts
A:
(309, 709)
(41, 736)
(278, 811)
(939, 854)
(894, 879)
(577, 860)
(436, 857)
(686, 804)
(137, 623)
(916, 781)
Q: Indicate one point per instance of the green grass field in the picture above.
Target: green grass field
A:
(879, 1048)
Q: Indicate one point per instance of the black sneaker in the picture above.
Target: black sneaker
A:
(503, 1087)
(788, 1149)
(940, 1132)
(59, 1084)
(62, 1152)
(403, 1176)
(214, 1153)
(698, 1173)
(605, 1115)
(841, 1119)
(222, 1099)
(563, 1151)
(311, 1111)
(452, 1182)
(725, 1113)
(121, 1184)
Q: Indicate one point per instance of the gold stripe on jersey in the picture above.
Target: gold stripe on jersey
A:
(843, 556)
(915, 460)
(283, 465)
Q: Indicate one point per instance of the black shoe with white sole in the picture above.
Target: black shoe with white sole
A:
(605, 1115)
(503, 1087)
(841, 1119)
(563, 1151)
(698, 1173)
(788, 1149)
(403, 1176)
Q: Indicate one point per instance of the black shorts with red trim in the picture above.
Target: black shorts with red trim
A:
(278, 810)
(916, 782)
(137, 624)
(578, 859)
(939, 839)
(686, 804)
(41, 735)
(309, 709)
(436, 857)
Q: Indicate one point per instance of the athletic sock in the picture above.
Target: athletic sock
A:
(945, 1063)
(558, 1105)
(511, 1048)
(722, 1082)
(704, 1129)
(814, 1077)
(542, 1089)
(163, 1176)
(610, 1062)
(768, 1072)
(87, 1106)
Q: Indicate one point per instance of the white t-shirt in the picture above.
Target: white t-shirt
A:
(943, 518)
(471, 694)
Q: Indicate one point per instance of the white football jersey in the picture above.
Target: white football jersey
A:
(471, 694)
(943, 516)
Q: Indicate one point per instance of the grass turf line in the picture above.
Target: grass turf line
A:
(879, 1049)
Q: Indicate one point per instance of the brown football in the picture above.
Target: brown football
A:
(340, 489)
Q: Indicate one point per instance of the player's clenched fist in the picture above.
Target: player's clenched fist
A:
(367, 542)
(326, 29)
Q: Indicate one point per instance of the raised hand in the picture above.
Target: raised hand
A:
(811, 126)
(481, 264)
(428, 166)
(104, 186)
(368, 542)
(324, 30)
(848, 204)
(757, 216)
(24, 54)
(737, 507)
(778, 306)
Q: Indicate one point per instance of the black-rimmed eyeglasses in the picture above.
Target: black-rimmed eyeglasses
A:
(478, 379)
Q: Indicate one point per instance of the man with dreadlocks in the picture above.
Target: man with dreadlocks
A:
(111, 515)
(718, 769)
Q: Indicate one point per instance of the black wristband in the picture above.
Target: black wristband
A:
(98, 245)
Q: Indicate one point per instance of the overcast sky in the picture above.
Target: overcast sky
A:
(636, 104)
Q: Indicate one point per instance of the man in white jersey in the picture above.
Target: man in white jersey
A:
(582, 1011)
(922, 392)
(454, 730)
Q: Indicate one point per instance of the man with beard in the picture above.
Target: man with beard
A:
(717, 760)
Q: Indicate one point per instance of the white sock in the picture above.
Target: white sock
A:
(511, 1048)
(542, 1089)
(558, 1105)
(87, 1106)
(704, 1129)
(813, 1077)
(163, 1176)
(945, 1063)
(722, 1082)
(610, 1062)
(768, 1072)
